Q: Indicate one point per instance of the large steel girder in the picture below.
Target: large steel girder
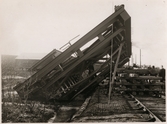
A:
(89, 36)
(85, 39)
(62, 69)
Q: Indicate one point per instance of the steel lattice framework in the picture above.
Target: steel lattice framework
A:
(73, 71)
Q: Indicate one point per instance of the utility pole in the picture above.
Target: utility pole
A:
(135, 59)
(140, 58)
(132, 59)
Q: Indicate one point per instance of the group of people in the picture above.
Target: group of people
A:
(154, 71)
(160, 73)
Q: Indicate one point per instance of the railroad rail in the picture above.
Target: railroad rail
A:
(153, 117)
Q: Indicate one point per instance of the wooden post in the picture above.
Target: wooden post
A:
(110, 72)
(115, 70)
(98, 95)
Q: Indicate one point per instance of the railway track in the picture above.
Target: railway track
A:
(123, 108)
(144, 106)
(156, 105)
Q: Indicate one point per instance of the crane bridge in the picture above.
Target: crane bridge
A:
(75, 71)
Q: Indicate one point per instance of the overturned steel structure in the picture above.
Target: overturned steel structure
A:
(73, 71)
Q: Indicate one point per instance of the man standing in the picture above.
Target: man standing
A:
(162, 74)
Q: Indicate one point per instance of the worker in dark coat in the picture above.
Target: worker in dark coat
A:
(162, 74)
(153, 71)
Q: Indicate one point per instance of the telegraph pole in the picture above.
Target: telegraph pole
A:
(132, 59)
(140, 58)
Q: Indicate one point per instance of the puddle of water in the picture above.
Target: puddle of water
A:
(64, 116)
(12, 77)
(67, 110)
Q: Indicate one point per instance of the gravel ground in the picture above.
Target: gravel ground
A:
(120, 109)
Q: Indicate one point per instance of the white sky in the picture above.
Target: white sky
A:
(39, 26)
